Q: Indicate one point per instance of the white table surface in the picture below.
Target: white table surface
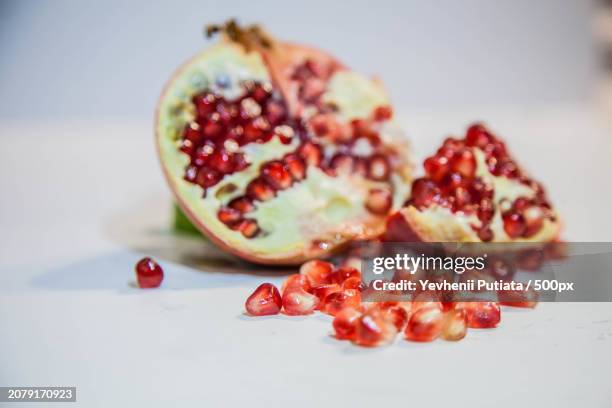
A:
(83, 200)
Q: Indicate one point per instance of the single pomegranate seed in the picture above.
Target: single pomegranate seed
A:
(222, 162)
(265, 300)
(486, 210)
(275, 112)
(424, 193)
(336, 301)
(518, 298)
(464, 163)
(374, 328)
(296, 281)
(317, 272)
(229, 215)
(277, 175)
(477, 136)
(311, 153)
(187, 147)
(343, 273)
(248, 228)
(353, 283)
(379, 201)
(514, 224)
(378, 168)
(322, 291)
(242, 204)
(299, 302)
(383, 113)
(425, 324)
(260, 93)
(436, 167)
(203, 153)
(260, 190)
(480, 315)
(485, 234)
(205, 104)
(296, 166)
(192, 132)
(191, 173)
(345, 323)
(342, 164)
(534, 219)
(454, 326)
(398, 315)
(207, 177)
(212, 128)
(148, 273)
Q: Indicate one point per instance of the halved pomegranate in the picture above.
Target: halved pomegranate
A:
(474, 191)
(276, 151)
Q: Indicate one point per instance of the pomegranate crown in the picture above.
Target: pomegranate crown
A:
(250, 37)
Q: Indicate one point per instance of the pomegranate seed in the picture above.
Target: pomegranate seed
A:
(518, 298)
(437, 167)
(191, 173)
(378, 201)
(275, 112)
(477, 136)
(207, 177)
(299, 302)
(222, 162)
(259, 190)
(241, 204)
(464, 163)
(345, 323)
(425, 324)
(534, 219)
(514, 224)
(203, 153)
(336, 301)
(265, 300)
(295, 281)
(454, 326)
(187, 147)
(317, 272)
(277, 175)
(311, 90)
(212, 128)
(353, 283)
(424, 193)
(343, 273)
(192, 132)
(148, 273)
(452, 144)
(383, 113)
(296, 166)
(485, 234)
(378, 168)
(260, 93)
(248, 228)
(373, 329)
(398, 315)
(311, 153)
(480, 315)
(342, 164)
(322, 291)
(205, 104)
(229, 215)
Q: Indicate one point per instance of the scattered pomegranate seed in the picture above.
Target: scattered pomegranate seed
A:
(336, 301)
(480, 315)
(343, 273)
(399, 316)
(299, 302)
(455, 325)
(374, 328)
(277, 175)
(317, 272)
(517, 298)
(353, 283)
(296, 281)
(265, 300)
(425, 324)
(345, 323)
(324, 290)
(148, 273)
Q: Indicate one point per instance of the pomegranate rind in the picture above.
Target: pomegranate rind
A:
(307, 230)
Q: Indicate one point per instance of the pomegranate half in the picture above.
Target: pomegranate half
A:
(474, 191)
(277, 152)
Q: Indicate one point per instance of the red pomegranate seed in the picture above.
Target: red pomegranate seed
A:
(296, 166)
(277, 175)
(296, 281)
(378, 168)
(212, 128)
(311, 153)
(148, 273)
(455, 325)
(379, 201)
(373, 329)
(192, 132)
(336, 301)
(229, 215)
(265, 300)
(534, 219)
(464, 163)
(205, 103)
(191, 173)
(480, 315)
(187, 147)
(242, 204)
(260, 93)
(345, 323)
(477, 136)
(299, 302)
(424, 193)
(383, 113)
(260, 190)
(222, 162)
(436, 167)
(398, 315)
(275, 112)
(353, 283)
(207, 177)
(203, 153)
(518, 298)
(485, 234)
(248, 228)
(343, 273)
(342, 164)
(514, 224)
(425, 324)
(317, 272)
(322, 291)
(311, 90)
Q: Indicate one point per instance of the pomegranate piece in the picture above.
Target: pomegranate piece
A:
(480, 315)
(373, 329)
(425, 324)
(336, 301)
(298, 302)
(345, 323)
(317, 272)
(265, 300)
(148, 273)
(454, 325)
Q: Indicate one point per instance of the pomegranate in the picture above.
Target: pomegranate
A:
(277, 152)
(148, 273)
(474, 191)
